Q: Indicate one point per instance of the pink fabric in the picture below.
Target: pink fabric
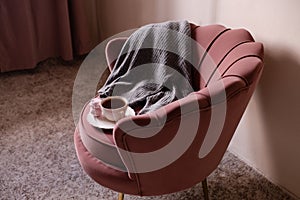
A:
(101, 173)
(112, 50)
(100, 143)
(34, 30)
(239, 60)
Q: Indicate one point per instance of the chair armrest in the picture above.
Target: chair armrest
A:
(112, 50)
(154, 140)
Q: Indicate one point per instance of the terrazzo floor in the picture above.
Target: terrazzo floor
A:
(37, 155)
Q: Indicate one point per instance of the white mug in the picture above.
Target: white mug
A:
(114, 108)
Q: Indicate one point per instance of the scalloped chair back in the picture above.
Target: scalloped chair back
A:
(223, 90)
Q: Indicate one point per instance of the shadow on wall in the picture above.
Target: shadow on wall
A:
(279, 93)
(117, 16)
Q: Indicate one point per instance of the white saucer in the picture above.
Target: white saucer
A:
(102, 122)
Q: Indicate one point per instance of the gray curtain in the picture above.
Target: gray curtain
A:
(34, 30)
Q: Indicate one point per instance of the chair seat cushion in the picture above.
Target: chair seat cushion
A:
(99, 142)
(101, 173)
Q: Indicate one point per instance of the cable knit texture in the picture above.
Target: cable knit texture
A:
(152, 68)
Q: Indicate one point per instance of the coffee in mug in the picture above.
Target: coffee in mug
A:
(114, 108)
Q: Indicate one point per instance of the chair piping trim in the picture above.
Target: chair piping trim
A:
(132, 163)
(220, 62)
(239, 59)
(210, 45)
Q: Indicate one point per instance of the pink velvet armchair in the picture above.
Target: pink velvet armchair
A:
(183, 142)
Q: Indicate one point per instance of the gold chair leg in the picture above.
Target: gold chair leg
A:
(205, 189)
(121, 196)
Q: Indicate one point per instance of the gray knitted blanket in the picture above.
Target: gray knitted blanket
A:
(152, 68)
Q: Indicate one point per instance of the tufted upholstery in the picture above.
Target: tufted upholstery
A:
(237, 66)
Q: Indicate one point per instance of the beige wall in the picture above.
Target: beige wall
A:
(120, 15)
(268, 138)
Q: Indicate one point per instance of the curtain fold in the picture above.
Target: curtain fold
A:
(34, 30)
